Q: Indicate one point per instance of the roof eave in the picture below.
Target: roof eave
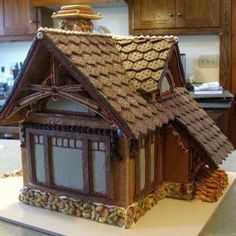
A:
(21, 74)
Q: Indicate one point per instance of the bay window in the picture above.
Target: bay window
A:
(70, 162)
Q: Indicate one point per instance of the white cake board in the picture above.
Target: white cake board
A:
(168, 217)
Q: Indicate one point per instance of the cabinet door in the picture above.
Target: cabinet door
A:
(197, 13)
(221, 118)
(17, 17)
(153, 14)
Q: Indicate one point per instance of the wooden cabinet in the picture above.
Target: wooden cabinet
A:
(221, 118)
(153, 14)
(19, 20)
(173, 14)
(197, 13)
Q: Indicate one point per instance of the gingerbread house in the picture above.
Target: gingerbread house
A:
(107, 128)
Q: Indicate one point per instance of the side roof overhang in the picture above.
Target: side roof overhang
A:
(199, 126)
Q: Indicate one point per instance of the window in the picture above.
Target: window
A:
(67, 172)
(146, 168)
(142, 165)
(99, 167)
(166, 85)
(71, 162)
(39, 158)
(153, 154)
(63, 105)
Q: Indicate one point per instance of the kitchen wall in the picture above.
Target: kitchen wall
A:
(12, 53)
(115, 21)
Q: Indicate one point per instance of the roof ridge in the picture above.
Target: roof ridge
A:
(116, 37)
(71, 32)
(120, 37)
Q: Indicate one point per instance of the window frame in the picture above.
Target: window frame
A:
(86, 155)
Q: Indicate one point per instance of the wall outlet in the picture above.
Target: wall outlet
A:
(208, 61)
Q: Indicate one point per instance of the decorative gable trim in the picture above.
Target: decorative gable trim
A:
(87, 85)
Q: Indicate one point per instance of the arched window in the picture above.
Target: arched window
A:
(166, 85)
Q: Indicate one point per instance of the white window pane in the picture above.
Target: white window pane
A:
(94, 145)
(79, 143)
(39, 163)
(68, 167)
(72, 143)
(59, 142)
(63, 104)
(142, 168)
(41, 139)
(165, 86)
(36, 139)
(53, 141)
(102, 146)
(152, 162)
(99, 171)
(65, 142)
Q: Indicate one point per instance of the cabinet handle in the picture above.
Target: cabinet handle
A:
(170, 14)
(179, 14)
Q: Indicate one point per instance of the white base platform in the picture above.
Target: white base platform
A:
(168, 217)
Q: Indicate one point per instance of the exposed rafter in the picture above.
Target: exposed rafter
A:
(64, 88)
(25, 101)
(54, 72)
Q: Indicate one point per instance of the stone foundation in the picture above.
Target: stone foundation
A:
(179, 190)
(122, 217)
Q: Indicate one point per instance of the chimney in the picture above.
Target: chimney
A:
(76, 17)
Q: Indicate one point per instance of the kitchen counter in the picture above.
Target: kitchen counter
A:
(218, 107)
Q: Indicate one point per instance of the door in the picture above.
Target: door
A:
(153, 14)
(17, 17)
(197, 13)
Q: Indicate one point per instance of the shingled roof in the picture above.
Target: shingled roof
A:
(144, 59)
(96, 57)
(115, 68)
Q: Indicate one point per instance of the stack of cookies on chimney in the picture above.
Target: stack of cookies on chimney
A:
(77, 17)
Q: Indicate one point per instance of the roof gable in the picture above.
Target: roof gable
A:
(98, 59)
(94, 62)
